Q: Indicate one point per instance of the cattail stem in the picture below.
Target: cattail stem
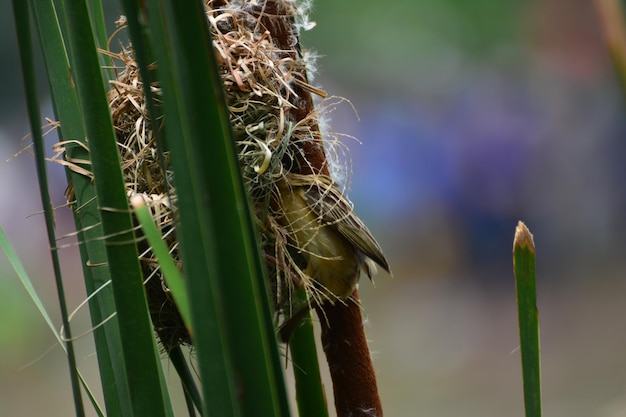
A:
(349, 360)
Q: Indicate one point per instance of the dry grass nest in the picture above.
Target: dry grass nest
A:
(265, 79)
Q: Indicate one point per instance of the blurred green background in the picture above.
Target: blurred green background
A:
(471, 116)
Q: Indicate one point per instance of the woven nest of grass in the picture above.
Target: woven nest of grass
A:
(274, 124)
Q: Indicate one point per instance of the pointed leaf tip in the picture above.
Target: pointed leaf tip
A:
(523, 238)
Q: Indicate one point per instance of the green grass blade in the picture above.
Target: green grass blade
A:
(214, 359)
(230, 237)
(22, 19)
(18, 267)
(525, 282)
(190, 404)
(138, 343)
(15, 262)
(230, 318)
(192, 394)
(170, 272)
(87, 218)
(100, 34)
(310, 395)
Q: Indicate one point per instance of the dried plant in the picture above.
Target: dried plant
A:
(276, 128)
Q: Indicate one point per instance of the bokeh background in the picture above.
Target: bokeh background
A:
(472, 115)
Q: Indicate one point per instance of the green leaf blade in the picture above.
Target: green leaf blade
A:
(310, 395)
(138, 343)
(233, 332)
(525, 282)
(87, 218)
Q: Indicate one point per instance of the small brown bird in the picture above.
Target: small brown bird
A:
(333, 241)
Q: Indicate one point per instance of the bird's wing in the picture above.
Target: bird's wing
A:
(333, 209)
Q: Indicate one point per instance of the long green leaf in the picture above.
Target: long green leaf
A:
(22, 19)
(218, 247)
(86, 215)
(166, 263)
(138, 344)
(18, 267)
(230, 235)
(186, 377)
(310, 395)
(100, 34)
(525, 281)
(207, 321)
